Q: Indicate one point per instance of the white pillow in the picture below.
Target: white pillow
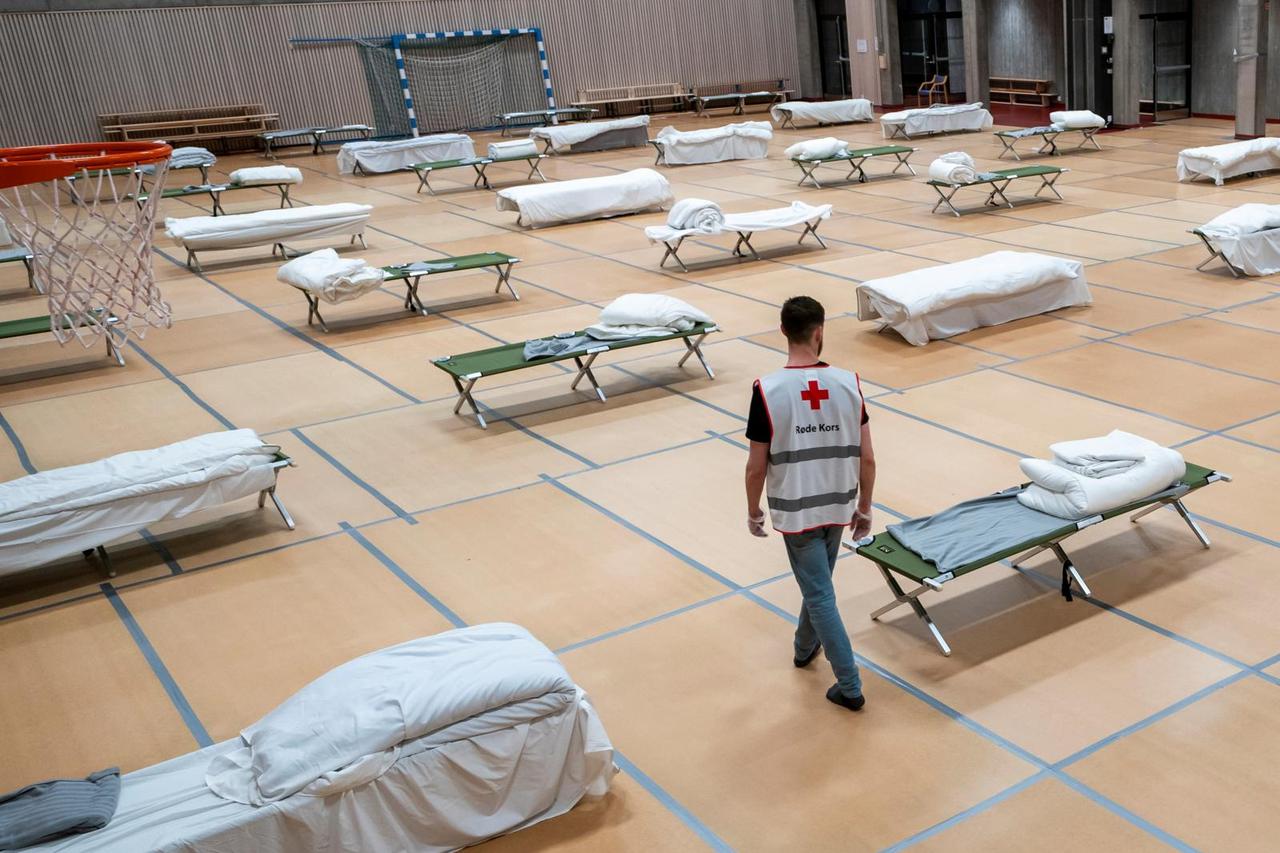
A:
(652, 309)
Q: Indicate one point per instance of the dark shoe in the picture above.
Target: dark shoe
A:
(801, 663)
(853, 703)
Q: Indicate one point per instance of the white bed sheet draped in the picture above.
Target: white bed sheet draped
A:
(748, 140)
(267, 226)
(565, 136)
(824, 112)
(388, 156)
(1220, 162)
(586, 198)
(938, 119)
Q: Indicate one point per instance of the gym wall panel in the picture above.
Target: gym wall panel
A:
(62, 69)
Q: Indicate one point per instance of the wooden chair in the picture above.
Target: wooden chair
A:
(929, 88)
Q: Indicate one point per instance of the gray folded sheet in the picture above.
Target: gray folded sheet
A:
(48, 810)
(563, 344)
(974, 529)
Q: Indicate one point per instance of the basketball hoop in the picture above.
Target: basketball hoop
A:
(76, 207)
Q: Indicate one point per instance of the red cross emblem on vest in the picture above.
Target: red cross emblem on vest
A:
(815, 395)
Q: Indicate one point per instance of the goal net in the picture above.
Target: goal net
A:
(453, 81)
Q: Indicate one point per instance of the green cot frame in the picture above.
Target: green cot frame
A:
(501, 263)
(855, 158)
(424, 170)
(467, 368)
(215, 191)
(39, 325)
(1048, 133)
(20, 253)
(892, 558)
(999, 180)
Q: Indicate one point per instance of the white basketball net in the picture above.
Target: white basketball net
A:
(91, 243)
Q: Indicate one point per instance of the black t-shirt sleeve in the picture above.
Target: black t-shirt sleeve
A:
(865, 416)
(758, 426)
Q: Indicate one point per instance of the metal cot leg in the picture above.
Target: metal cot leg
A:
(313, 310)
(504, 277)
(1069, 573)
(1191, 522)
(584, 369)
(945, 198)
(672, 252)
(903, 161)
(1008, 147)
(424, 180)
(695, 348)
(464, 396)
(812, 228)
(911, 598)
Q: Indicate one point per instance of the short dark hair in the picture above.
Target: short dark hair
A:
(800, 316)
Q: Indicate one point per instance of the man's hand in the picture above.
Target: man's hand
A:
(755, 522)
(861, 525)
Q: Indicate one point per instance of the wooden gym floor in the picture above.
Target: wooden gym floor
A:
(1147, 718)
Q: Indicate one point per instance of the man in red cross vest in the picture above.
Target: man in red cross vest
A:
(811, 452)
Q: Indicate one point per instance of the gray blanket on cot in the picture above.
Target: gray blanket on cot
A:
(970, 531)
(49, 810)
(563, 344)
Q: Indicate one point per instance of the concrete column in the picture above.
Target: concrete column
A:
(977, 68)
(864, 66)
(1128, 64)
(1251, 69)
(889, 59)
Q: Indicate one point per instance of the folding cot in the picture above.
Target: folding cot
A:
(631, 132)
(745, 225)
(747, 140)
(1246, 239)
(215, 191)
(267, 227)
(1047, 134)
(80, 509)
(412, 273)
(479, 164)
(855, 158)
(998, 181)
(586, 198)
(542, 117)
(1219, 162)
(822, 112)
(318, 135)
(467, 368)
(14, 252)
(891, 557)
(706, 98)
(370, 156)
(42, 324)
(939, 118)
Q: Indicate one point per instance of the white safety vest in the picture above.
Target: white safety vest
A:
(816, 415)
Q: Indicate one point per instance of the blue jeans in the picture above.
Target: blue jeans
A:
(813, 559)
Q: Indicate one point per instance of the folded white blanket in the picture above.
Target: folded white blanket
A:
(1061, 492)
(816, 149)
(1076, 119)
(1105, 456)
(330, 277)
(696, 214)
(651, 310)
(955, 167)
(354, 714)
(1245, 219)
(266, 175)
(608, 332)
(512, 149)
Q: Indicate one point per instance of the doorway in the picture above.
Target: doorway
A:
(833, 48)
(1168, 96)
(931, 38)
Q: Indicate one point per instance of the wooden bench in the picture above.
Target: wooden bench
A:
(736, 95)
(190, 125)
(1026, 91)
(644, 98)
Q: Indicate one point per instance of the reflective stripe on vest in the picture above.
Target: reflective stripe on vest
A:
(816, 415)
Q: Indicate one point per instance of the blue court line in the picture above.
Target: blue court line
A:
(351, 475)
(182, 386)
(18, 446)
(297, 333)
(161, 671)
(687, 817)
(1186, 360)
(643, 623)
(498, 417)
(405, 578)
(975, 809)
(160, 548)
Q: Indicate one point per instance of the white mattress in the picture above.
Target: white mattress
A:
(937, 119)
(524, 759)
(1220, 162)
(748, 140)
(1249, 237)
(942, 301)
(565, 136)
(267, 226)
(64, 511)
(587, 198)
(388, 156)
(824, 112)
(797, 213)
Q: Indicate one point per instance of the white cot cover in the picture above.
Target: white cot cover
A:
(267, 226)
(1076, 119)
(565, 136)
(64, 511)
(937, 119)
(586, 198)
(747, 140)
(824, 112)
(1220, 162)
(388, 156)
(447, 741)
(1249, 237)
(946, 300)
(796, 213)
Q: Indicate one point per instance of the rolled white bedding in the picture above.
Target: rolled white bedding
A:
(1062, 492)
(639, 314)
(696, 214)
(512, 149)
(1242, 220)
(1077, 119)
(266, 226)
(955, 167)
(816, 149)
(266, 175)
(586, 198)
(330, 277)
